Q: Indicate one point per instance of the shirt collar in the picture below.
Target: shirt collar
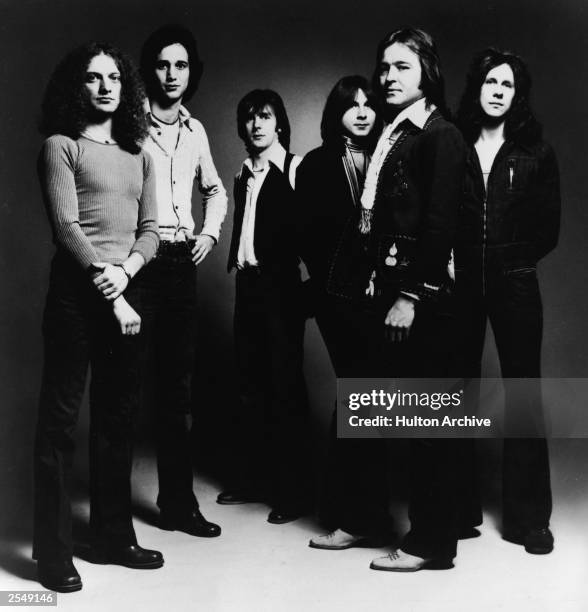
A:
(417, 113)
(276, 154)
(184, 115)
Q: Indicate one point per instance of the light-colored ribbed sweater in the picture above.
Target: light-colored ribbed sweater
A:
(100, 199)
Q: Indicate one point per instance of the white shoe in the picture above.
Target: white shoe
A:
(400, 561)
(336, 540)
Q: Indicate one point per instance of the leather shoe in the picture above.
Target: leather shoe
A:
(279, 517)
(60, 576)
(132, 556)
(193, 523)
(239, 496)
(535, 541)
(341, 540)
(400, 561)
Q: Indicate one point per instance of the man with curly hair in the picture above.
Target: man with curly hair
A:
(177, 142)
(98, 187)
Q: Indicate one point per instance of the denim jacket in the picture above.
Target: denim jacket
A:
(415, 210)
(515, 221)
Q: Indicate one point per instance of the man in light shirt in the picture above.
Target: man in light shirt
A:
(271, 422)
(177, 142)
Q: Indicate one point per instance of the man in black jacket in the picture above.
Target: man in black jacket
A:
(409, 210)
(509, 220)
(273, 436)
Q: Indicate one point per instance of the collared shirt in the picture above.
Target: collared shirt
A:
(175, 172)
(417, 113)
(276, 155)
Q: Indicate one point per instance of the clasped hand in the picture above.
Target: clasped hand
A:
(111, 281)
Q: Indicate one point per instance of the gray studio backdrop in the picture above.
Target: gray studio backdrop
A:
(300, 48)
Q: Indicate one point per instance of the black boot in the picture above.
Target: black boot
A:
(60, 576)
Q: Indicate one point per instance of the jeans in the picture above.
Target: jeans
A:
(170, 329)
(79, 329)
(510, 299)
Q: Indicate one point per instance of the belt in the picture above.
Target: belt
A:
(175, 251)
(249, 271)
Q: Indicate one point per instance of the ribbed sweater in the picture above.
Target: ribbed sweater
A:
(100, 199)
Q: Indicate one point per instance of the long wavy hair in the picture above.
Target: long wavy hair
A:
(164, 37)
(66, 109)
(253, 103)
(421, 43)
(520, 124)
(339, 101)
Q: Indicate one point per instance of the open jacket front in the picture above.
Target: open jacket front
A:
(415, 212)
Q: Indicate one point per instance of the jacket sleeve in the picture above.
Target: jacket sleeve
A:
(442, 158)
(548, 203)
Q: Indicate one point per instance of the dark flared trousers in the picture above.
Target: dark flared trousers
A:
(272, 425)
(510, 299)
(79, 329)
(355, 496)
(354, 491)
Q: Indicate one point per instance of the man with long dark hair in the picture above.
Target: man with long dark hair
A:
(272, 420)
(178, 144)
(353, 502)
(99, 190)
(509, 220)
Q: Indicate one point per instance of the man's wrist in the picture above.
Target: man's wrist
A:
(214, 240)
(125, 270)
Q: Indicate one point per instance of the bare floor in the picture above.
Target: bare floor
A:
(255, 566)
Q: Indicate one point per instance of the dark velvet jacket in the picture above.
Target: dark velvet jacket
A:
(516, 220)
(327, 225)
(415, 210)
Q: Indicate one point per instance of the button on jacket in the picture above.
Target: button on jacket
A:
(175, 177)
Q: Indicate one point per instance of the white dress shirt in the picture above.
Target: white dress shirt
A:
(276, 155)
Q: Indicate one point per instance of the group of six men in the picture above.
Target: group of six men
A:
(272, 440)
